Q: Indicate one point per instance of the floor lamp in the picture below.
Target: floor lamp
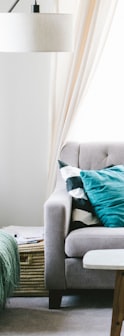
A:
(35, 32)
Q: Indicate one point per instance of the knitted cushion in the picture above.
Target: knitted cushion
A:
(82, 210)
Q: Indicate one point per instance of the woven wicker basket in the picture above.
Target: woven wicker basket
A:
(31, 270)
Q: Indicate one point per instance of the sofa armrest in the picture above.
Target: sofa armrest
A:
(57, 213)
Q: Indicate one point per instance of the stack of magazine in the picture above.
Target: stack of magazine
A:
(25, 234)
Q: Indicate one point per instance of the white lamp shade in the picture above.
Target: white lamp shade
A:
(35, 32)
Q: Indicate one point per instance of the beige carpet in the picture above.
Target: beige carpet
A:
(89, 315)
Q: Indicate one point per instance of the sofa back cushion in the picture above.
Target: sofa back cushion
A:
(89, 156)
(93, 155)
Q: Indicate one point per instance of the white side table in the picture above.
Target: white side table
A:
(110, 260)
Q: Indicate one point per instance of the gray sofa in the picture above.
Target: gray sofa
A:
(64, 250)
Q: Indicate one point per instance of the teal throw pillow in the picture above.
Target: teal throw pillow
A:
(105, 191)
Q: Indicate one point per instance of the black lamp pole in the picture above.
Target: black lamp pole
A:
(13, 6)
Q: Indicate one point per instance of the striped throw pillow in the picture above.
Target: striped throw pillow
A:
(82, 210)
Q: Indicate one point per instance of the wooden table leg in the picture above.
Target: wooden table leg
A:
(118, 304)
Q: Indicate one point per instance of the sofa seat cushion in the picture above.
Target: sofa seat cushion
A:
(78, 242)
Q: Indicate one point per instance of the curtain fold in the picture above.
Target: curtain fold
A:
(71, 74)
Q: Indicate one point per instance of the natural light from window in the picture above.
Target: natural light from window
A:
(100, 114)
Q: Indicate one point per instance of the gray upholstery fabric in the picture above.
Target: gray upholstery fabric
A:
(57, 212)
(77, 277)
(78, 242)
(97, 156)
(64, 250)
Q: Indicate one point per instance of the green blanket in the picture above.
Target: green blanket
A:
(9, 266)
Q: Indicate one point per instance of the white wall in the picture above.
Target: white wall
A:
(24, 90)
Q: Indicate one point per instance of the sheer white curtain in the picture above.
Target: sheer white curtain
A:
(105, 95)
(72, 73)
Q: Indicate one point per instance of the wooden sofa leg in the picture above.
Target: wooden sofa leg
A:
(55, 297)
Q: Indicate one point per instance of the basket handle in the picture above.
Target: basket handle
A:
(25, 259)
